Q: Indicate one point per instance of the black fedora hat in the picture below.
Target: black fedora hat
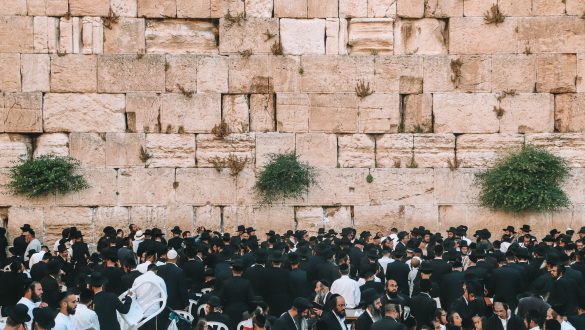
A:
(241, 228)
(25, 227)
(96, 279)
(510, 229)
(45, 317)
(368, 296)
(19, 314)
(176, 230)
(526, 228)
(582, 230)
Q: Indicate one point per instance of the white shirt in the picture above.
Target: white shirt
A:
(135, 244)
(34, 244)
(384, 261)
(35, 258)
(143, 267)
(145, 292)
(85, 318)
(565, 325)
(31, 305)
(348, 289)
(64, 322)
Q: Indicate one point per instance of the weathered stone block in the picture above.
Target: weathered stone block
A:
(318, 149)
(548, 8)
(180, 215)
(250, 75)
(56, 218)
(379, 218)
(390, 183)
(124, 149)
(575, 7)
(262, 116)
(145, 185)
(101, 191)
(515, 7)
(333, 113)
(353, 8)
(418, 113)
(157, 8)
(193, 8)
(199, 186)
(559, 34)
(181, 73)
(35, 70)
(285, 73)
(580, 79)
(300, 37)
(292, 112)
(16, 33)
(47, 7)
(74, 73)
(555, 73)
(210, 147)
(332, 43)
(128, 8)
(322, 8)
(484, 150)
(246, 35)
(470, 35)
(92, 35)
(340, 186)
(149, 216)
(13, 7)
(478, 7)
(69, 35)
(45, 33)
(444, 8)
(18, 216)
(262, 218)
(84, 113)
(259, 8)
(391, 72)
(465, 113)
(309, 218)
(356, 150)
(53, 143)
(371, 36)
(212, 75)
(268, 144)
(338, 217)
(236, 112)
(569, 146)
(335, 74)
(434, 150)
(379, 113)
(21, 112)
(88, 148)
(455, 186)
(462, 73)
(125, 37)
(410, 8)
(513, 72)
(116, 216)
(181, 37)
(424, 36)
(208, 216)
(569, 114)
(170, 150)
(89, 7)
(14, 148)
(220, 8)
(394, 150)
(197, 114)
(290, 8)
(382, 8)
(528, 113)
(10, 80)
(142, 112)
(128, 73)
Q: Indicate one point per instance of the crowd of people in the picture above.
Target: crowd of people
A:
(334, 281)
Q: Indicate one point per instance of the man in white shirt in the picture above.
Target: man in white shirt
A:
(32, 299)
(386, 258)
(346, 287)
(67, 306)
(138, 238)
(149, 258)
(33, 243)
(147, 292)
(84, 317)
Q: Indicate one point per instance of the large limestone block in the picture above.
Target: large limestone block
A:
(309, 218)
(569, 146)
(18, 216)
(245, 193)
(209, 217)
(380, 218)
(74, 73)
(444, 8)
(470, 35)
(575, 7)
(371, 36)
(157, 8)
(142, 112)
(126, 8)
(418, 113)
(548, 7)
(410, 8)
(181, 73)
(248, 35)
(345, 186)
(456, 186)
(285, 73)
(125, 37)
(268, 144)
(84, 113)
(477, 7)
(52, 143)
(145, 185)
(290, 8)
(69, 35)
(181, 37)
(14, 148)
(528, 113)
(558, 34)
(170, 150)
(198, 186)
(569, 114)
(88, 148)
(193, 8)
(457, 73)
(434, 150)
(117, 217)
(394, 150)
(379, 113)
(128, 73)
(424, 36)
(264, 74)
(515, 7)
(513, 72)
(382, 8)
(47, 7)
(89, 7)
(353, 8)
(210, 147)
(10, 79)
(180, 215)
(212, 74)
(465, 113)
(262, 218)
(262, 112)
(13, 7)
(292, 112)
(391, 70)
(92, 35)
(259, 8)
(407, 185)
(21, 112)
(35, 70)
(220, 8)
(356, 150)
(317, 149)
(149, 216)
(45, 34)
(338, 217)
(322, 8)
(198, 114)
(484, 150)
(555, 73)
(580, 80)
(124, 149)
(57, 218)
(236, 112)
(574, 187)
(335, 74)
(16, 33)
(101, 191)
(336, 113)
(302, 36)
(332, 40)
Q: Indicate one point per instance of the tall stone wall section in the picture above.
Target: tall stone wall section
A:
(101, 80)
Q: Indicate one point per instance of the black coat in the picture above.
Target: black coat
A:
(507, 283)
(328, 271)
(468, 310)
(422, 308)
(219, 317)
(51, 291)
(11, 288)
(80, 253)
(19, 244)
(329, 322)
(277, 293)
(176, 283)
(578, 321)
(388, 323)
(38, 271)
(284, 322)
(532, 303)
(364, 322)
(114, 276)
(440, 268)
(398, 270)
(298, 282)
(563, 294)
(494, 323)
(194, 270)
(175, 243)
(236, 295)
(451, 288)
(105, 306)
(128, 280)
(257, 276)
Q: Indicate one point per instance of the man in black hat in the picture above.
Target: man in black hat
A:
(277, 290)
(17, 318)
(399, 270)
(297, 276)
(19, 243)
(112, 272)
(50, 284)
(107, 303)
(176, 242)
(422, 306)
(334, 319)
(64, 259)
(257, 273)
(467, 306)
(372, 306)
(236, 293)
(44, 318)
(563, 292)
(507, 282)
(80, 250)
(293, 318)
(214, 312)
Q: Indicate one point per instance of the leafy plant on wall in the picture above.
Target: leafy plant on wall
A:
(46, 174)
(526, 180)
(284, 176)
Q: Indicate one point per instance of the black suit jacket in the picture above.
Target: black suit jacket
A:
(422, 308)
(284, 322)
(468, 310)
(563, 294)
(398, 270)
(20, 245)
(50, 291)
(105, 306)
(176, 283)
(257, 276)
(578, 321)
(388, 323)
(236, 295)
(329, 322)
(38, 271)
(494, 323)
(298, 282)
(451, 288)
(114, 276)
(219, 317)
(506, 283)
(364, 322)
(277, 293)
(194, 270)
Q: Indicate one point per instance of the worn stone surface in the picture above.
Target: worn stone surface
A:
(145, 186)
(513, 72)
(129, 73)
(410, 8)
(209, 147)
(570, 146)
(465, 113)
(470, 35)
(125, 37)
(322, 8)
(391, 73)
(124, 149)
(268, 144)
(102, 190)
(569, 114)
(527, 113)
(300, 37)
(198, 114)
(74, 73)
(181, 36)
(371, 36)
(88, 148)
(35, 71)
(236, 112)
(425, 36)
(555, 73)
(335, 74)
(293, 112)
(53, 143)
(246, 35)
(16, 33)
(356, 150)
(21, 112)
(197, 186)
(170, 150)
(445, 8)
(142, 112)
(434, 150)
(14, 148)
(394, 150)
(379, 113)
(212, 75)
(336, 113)
(481, 150)
(418, 113)
(552, 34)
(181, 73)
(193, 8)
(262, 113)
(318, 149)
(10, 79)
(153, 8)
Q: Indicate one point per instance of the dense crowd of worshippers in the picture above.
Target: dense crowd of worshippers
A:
(297, 281)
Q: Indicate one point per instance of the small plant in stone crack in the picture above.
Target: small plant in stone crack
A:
(276, 48)
(269, 35)
(231, 19)
(301, 71)
(246, 53)
(110, 20)
(506, 93)
(499, 111)
(370, 178)
(144, 155)
(236, 164)
(456, 71)
(418, 129)
(397, 163)
(218, 163)
(187, 93)
(527, 50)
(454, 163)
(374, 52)
(412, 163)
(167, 66)
(221, 130)
(494, 16)
(362, 89)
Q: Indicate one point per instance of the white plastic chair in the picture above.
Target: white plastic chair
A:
(186, 315)
(192, 304)
(156, 297)
(200, 309)
(206, 290)
(244, 323)
(6, 268)
(216, 326)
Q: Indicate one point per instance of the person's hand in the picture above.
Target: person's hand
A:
(130, 293)
(43, 305)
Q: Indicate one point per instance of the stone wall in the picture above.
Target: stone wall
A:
(101, 80)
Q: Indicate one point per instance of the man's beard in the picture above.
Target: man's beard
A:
(70, 310)
(376, 313)
(392, 294)
(340, 314)
(35, 298)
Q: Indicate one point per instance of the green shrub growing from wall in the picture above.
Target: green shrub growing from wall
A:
(47, 174)
(527, 180)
